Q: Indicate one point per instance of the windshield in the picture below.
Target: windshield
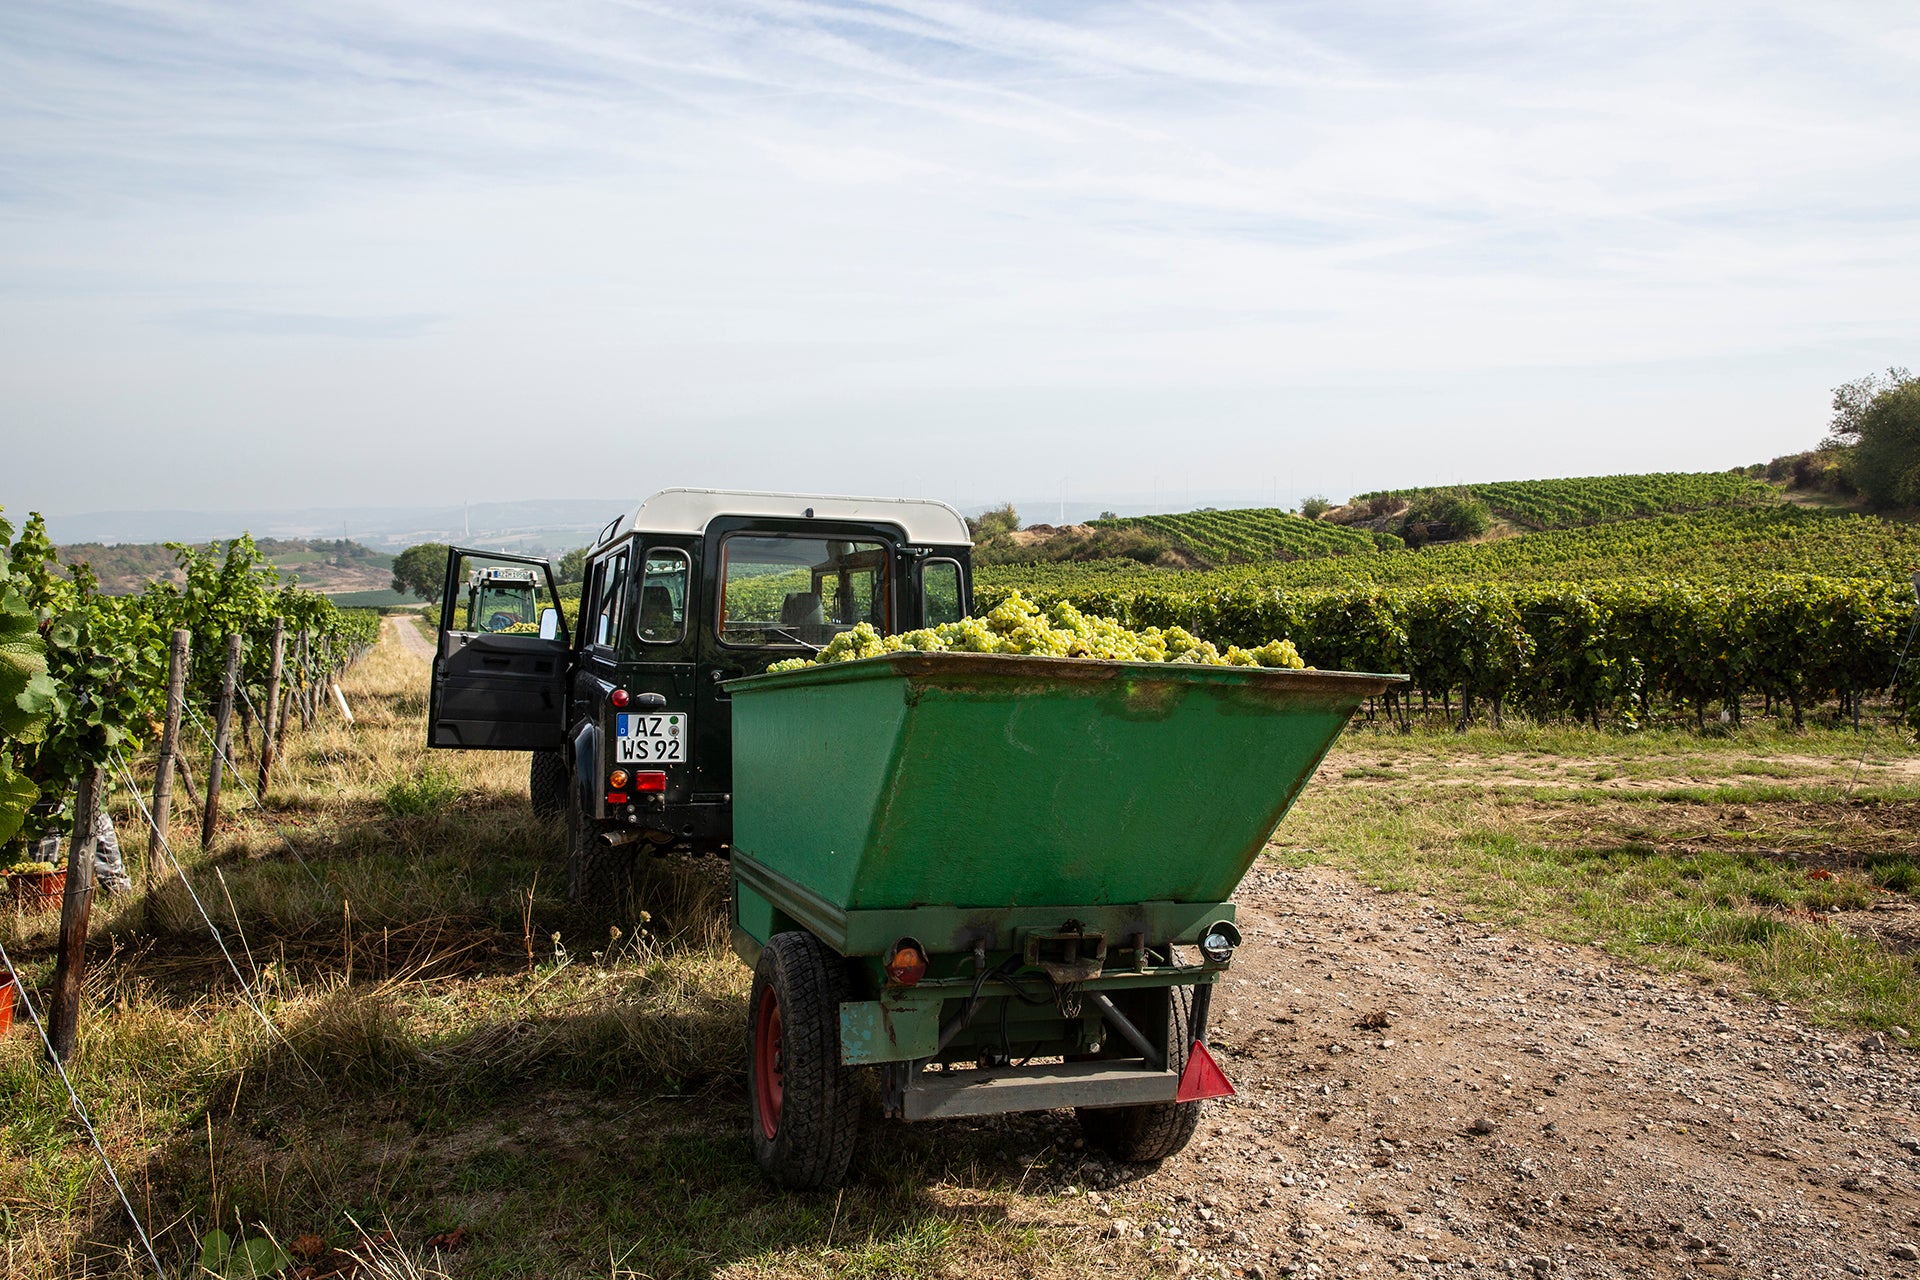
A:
(790, 591)
(503, 606)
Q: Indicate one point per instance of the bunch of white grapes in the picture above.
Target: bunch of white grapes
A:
(1017, 625)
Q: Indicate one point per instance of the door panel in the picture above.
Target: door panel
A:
(499, 670)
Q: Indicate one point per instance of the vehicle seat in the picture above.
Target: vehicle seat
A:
(802, 609)
(656, 614)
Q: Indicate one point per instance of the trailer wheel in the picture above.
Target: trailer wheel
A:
(547, 779)
(804, 1105)
(1155, 1130)
(599, 879)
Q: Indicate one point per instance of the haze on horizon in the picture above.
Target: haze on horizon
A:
(370, 253)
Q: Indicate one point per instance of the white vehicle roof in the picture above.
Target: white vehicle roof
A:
(921, 520)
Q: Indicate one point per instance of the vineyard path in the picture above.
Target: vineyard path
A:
(411, 638)
(1416, 1089)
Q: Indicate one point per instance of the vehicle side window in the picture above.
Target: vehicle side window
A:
(606, 614)
(940, 592)
(590, 579)
(663, 596)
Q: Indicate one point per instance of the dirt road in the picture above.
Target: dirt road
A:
(411, 637)
(1419, 1094)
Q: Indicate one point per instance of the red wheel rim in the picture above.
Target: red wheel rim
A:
(769, 1063)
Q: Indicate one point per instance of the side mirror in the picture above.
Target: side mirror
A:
(549, 623)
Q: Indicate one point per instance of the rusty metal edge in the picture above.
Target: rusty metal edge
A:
(914, 664)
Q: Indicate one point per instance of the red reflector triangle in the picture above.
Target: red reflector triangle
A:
(1203, 1077)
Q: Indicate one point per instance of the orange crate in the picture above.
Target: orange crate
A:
(39, 892)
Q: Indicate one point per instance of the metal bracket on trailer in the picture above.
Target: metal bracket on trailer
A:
(940, 1095)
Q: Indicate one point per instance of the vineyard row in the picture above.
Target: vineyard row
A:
(83, 675)
(1624, 651)
(1731, 544)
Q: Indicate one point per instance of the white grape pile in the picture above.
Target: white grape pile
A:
(1016, 625)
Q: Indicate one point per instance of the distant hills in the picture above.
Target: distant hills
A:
(330, 566)
(533, 527)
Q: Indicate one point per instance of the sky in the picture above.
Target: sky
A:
(306, 254)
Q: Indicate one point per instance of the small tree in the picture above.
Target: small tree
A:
(1443, 515)
(573, 566)
(420, 571)
(1876, 420)
(991, 524)
(1315, 507)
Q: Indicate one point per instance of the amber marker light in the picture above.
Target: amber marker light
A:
(908, 963)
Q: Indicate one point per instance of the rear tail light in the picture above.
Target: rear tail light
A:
(908, 963)
(650, 781)
(619, 698)
(616, 797)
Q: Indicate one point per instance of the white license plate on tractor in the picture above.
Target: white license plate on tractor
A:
(653, 737)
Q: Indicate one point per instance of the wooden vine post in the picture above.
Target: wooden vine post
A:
(222, 736)
(271, 706)
(70, 969)
(306, 683)
(161, 816)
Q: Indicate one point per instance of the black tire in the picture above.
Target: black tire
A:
(1153, 1131)
(803, 1105)
(547, 781)
(599, 879)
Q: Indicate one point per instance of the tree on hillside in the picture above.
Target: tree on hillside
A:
(573, 566)
(1876, 420)
(991, 524)
(1444, 515)
(1315, 507)
(421, 571)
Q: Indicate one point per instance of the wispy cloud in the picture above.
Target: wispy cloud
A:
(745, 214)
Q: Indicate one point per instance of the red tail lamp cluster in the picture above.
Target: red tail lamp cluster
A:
(907, 963)
(644, 781)
(619, 698)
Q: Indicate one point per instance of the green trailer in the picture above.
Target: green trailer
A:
(1003, 884)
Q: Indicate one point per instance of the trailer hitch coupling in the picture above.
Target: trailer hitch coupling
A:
(1070, 956)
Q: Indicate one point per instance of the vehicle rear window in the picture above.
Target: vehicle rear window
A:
(792, 591)
(663, 596)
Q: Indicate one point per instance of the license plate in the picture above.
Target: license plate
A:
(651, 738)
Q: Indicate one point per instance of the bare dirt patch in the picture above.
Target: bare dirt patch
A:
(1420, 1094)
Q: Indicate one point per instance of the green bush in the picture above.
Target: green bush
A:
(1445, 515)
(428, 791)
(991, 524)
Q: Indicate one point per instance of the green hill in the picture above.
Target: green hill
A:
(1585, 500)
(1253, 534)
(1728, 544)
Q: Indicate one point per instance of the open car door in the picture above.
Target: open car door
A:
(500, 667)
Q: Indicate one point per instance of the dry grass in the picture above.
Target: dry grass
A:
(447, 1057)
(450, 1060)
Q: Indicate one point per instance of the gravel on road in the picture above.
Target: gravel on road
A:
(1422, 1094)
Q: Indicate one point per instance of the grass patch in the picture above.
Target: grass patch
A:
(451, 1060)
(431, 788)
(1731, 880)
